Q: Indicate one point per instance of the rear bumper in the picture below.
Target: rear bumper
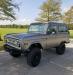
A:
(68, 41)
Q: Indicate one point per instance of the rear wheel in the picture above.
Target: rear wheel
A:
(15, 53)
(33, 58)
(60, 49)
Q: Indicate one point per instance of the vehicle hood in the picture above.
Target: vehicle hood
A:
(23, 35)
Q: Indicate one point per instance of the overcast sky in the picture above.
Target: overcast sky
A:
(29, 10)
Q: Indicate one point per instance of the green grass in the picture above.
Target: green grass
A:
(4, 31)
(71, 33)
(1, 45)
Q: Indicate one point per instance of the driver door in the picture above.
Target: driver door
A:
(51, 35)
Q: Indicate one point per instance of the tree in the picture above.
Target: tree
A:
(6, 9)
(50, 10)
(68, 16)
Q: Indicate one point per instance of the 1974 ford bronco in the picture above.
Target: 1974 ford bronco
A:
(39, 36)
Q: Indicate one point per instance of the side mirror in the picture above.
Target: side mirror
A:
(53, 33)
(48, 31)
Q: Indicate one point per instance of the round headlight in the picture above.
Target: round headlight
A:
(18, 44)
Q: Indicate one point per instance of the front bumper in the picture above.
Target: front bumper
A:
(9, 48)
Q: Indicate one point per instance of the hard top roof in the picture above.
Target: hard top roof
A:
(46, 23)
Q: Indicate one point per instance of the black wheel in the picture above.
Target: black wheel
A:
(60, 49)
(33, 58)
(15, 53)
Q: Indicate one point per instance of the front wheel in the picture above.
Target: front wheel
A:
(33, 58)
(60, 49)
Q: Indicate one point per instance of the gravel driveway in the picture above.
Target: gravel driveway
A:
(51, 64)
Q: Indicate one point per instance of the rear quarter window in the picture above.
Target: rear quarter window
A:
(63, 28)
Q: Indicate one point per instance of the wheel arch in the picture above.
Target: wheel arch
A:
(63, 42)
(35, 45)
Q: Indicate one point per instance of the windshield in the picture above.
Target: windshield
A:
(41, 28)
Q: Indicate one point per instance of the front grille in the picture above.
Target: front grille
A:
(13, 42)
(10, 40)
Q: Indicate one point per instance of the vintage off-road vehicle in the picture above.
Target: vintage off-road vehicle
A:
(39, 36)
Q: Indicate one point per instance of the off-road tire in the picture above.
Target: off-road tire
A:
(34, 57)
(60, 50)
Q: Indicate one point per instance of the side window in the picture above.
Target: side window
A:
(52, 29)
(63, 28)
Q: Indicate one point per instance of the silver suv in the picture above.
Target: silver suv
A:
(40, 36)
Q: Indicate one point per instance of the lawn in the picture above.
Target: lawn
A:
(4, 31)
(71, 33)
